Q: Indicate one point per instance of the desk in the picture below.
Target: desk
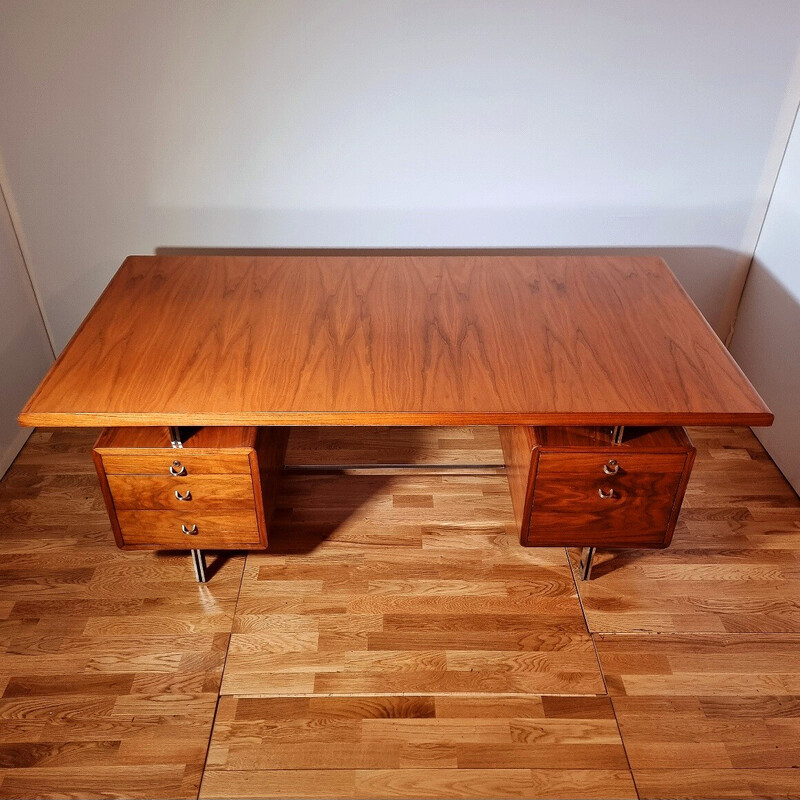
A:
(246, 347)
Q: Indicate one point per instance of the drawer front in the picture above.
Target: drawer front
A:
(592, 462)
(629, 508)
(189, 495)
(182, 462)
(215, 530)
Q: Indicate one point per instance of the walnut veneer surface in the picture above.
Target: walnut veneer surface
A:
(404, 340)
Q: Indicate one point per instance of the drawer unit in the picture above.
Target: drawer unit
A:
(216, 492)
(574, 487)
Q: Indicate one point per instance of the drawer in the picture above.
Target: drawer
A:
(591, 462)
(183, 461)
(587, 507)
(217, 529)
(200, 492)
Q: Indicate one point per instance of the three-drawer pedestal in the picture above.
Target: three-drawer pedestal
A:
(576, 487)
(214, 492)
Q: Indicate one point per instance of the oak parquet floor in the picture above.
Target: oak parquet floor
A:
(707, 716)
(405, 584)
(734, 562)
(381, 446)
(700, 643)
(399, 643)
(416, 747)
(110, 662)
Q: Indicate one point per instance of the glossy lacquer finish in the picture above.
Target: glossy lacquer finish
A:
(416, 340)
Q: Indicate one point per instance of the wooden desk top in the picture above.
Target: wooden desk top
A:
(416, 340)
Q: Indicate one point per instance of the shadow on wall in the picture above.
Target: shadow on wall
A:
(713, 276)
(767, 346)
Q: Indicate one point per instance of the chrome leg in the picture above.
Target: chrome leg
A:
(617, 432)
(175, 436)
(199, 564)
(587, 555)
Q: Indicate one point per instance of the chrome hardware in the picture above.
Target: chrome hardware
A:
(585, 566)
(177, 469)
(190, 531)
(617, 432)
(612, 468)
(199, 564)
(175, 436)
(605, 495)
(185, 497)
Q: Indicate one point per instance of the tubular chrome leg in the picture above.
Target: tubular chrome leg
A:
(175, 436)
(587, 555)
(617, 432)
(199, 564)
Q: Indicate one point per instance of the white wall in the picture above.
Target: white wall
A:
(137, 124)
(767, 338)
(25, 352)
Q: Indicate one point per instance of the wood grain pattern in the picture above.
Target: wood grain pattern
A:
(416, 747)
(208, 492)
(395, 446)
(267, 462)
(570, 512)
(140, 462)
(517, 443)
(223, 530)
(394, 340)
(734, 562)
(148, 450)
(710, 716)
(424, 784)
(110, 662)
(362, 594)
(195, 440)
(228, 492)
(563, 493)
(651, 439)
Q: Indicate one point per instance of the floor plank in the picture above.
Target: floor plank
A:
(110, 662)
(460, 662)
(392, 445)
(727, 706)
(407, 746)
(361, 595)
(734, 562)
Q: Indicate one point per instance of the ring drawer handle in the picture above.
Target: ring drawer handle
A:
(190, 531)
(177, 469)
(185, 497)
(605, 495)
(612, 468)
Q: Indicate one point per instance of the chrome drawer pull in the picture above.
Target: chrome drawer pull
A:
(612, 468)
(177, 469)
(605, 495)
(185, 497)
(190, 531)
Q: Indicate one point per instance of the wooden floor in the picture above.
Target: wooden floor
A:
(397, 641)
